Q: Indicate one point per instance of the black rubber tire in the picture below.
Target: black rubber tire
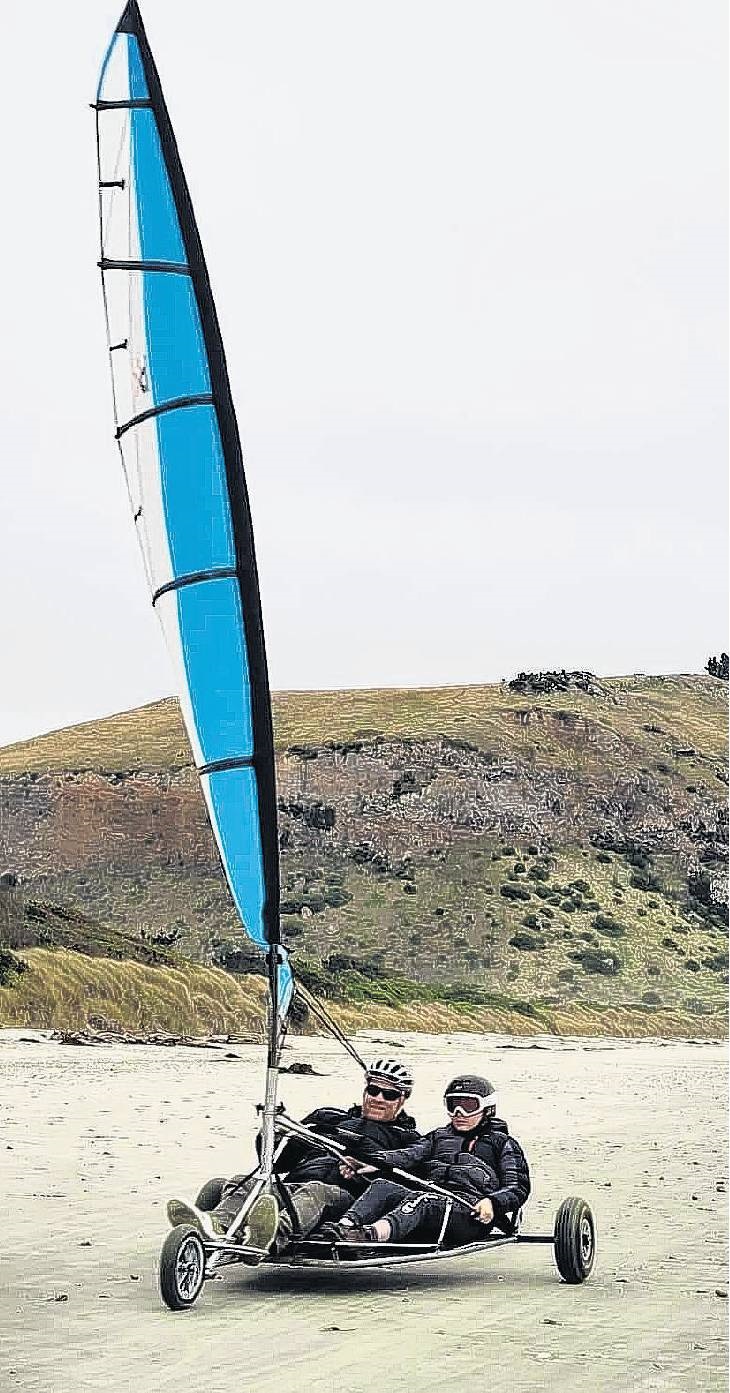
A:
(210, 1193)
(575, 1240)
(182, 1268)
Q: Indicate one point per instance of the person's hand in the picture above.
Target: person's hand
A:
(484, 1211)
(349, 1166)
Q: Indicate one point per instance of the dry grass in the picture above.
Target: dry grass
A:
(690, 711)
(69, 991)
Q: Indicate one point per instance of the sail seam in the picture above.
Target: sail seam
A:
(220, 766)
(195, 578)
(174, 268)
(132, 104)
(177, 404)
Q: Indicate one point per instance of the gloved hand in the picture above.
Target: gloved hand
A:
(437, 1171)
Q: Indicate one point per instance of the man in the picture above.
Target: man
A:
(474, 1157)
(314, 1188)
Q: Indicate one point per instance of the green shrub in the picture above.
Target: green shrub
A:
(509, 851)
(531, 921)
(10, 967)
(568, 907)
(514, 892)
(692, 965)
(335, 896)
(538, 873)
(599, 960)
(604, 858)
(519, 868)
(542, 892)
(529, 943)
(526, 1008)
(651, 999)
(645, 880)
(581, 886)
(607, 925)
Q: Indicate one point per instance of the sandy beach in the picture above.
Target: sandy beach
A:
(94, 1140)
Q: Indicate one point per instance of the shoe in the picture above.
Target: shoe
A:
(345, 1233)
(259, 1228)
(180, 1212)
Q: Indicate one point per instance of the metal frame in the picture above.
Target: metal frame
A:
(307, 1252)
(224, 1253)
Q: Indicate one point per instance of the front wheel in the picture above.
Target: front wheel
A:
(575, 1240)
(182, 1268)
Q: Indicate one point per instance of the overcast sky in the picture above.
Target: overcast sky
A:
(470, 261)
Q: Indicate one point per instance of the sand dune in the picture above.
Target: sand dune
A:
(93, 1141)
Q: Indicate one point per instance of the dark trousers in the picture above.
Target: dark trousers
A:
(415, 1212)
(309, 1205)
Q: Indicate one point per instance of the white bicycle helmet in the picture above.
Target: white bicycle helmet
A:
(390, 1071)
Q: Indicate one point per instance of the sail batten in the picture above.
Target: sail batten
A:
(182, 459)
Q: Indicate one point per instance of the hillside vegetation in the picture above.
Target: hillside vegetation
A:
(532, 855)
(63, 990)
(688, 711)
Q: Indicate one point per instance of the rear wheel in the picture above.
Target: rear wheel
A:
(575, 1240)
(182, 1268)
(210, 1194)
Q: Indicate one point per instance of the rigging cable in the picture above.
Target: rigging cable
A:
(324, 1016)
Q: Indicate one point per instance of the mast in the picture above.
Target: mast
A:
(182, 456)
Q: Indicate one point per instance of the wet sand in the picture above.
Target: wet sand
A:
(94, 1140)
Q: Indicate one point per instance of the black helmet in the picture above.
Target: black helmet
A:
(474, 1088)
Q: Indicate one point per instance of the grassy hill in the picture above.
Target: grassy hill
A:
(657, 716)
(553, 855)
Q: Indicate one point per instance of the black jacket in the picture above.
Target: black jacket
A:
(300, 1162)
(487, 1161)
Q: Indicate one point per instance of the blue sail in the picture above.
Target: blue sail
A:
(181, 453)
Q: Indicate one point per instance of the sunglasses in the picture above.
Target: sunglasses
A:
(464, 1104)
(374, 1090)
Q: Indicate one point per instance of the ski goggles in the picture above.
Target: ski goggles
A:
(467, 1104)
(376, 1090)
